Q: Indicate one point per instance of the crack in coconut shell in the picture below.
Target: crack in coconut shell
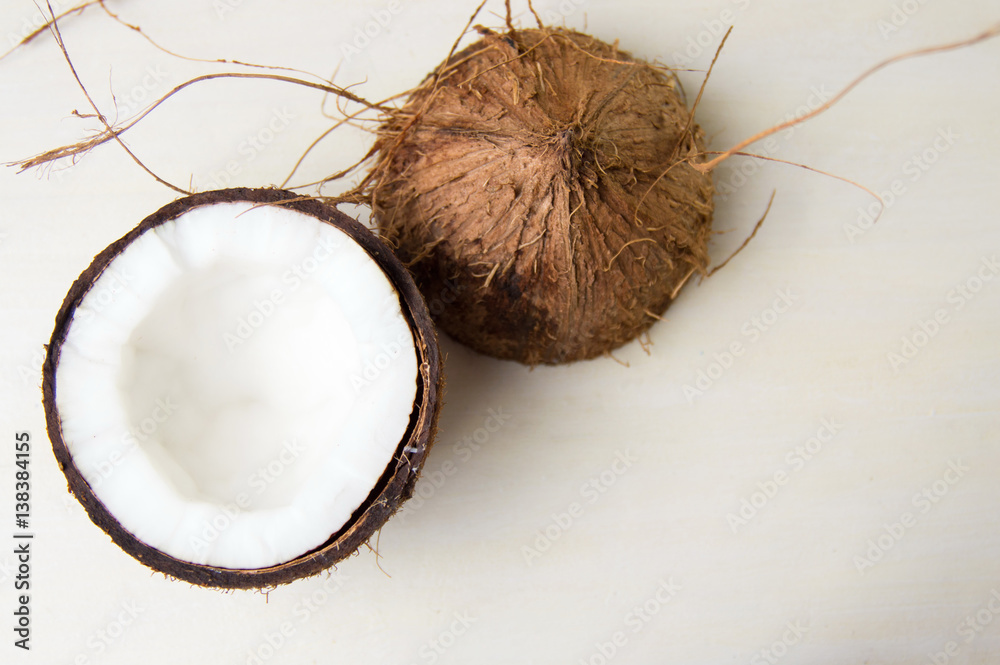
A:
(396, 482)
(545, 178)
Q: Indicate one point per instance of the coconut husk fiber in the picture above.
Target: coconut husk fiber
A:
(539, 185)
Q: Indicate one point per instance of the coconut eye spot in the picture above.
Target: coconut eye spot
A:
(235, 383)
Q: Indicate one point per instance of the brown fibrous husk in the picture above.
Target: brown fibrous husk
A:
(539, 185)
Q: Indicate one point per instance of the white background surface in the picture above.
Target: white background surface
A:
(461, 551)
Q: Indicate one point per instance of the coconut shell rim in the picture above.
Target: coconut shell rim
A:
(393, 487)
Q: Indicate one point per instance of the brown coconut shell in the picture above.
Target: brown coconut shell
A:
(538, 185)
(396, 483)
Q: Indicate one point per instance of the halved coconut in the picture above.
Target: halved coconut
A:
(242, 389)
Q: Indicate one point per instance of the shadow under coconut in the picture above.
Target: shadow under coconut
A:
(497, 453)
(483, 428)
(475, 408)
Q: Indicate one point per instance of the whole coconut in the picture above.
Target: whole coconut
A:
(539, 186)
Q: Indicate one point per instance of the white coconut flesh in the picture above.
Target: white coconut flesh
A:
(235, 383)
